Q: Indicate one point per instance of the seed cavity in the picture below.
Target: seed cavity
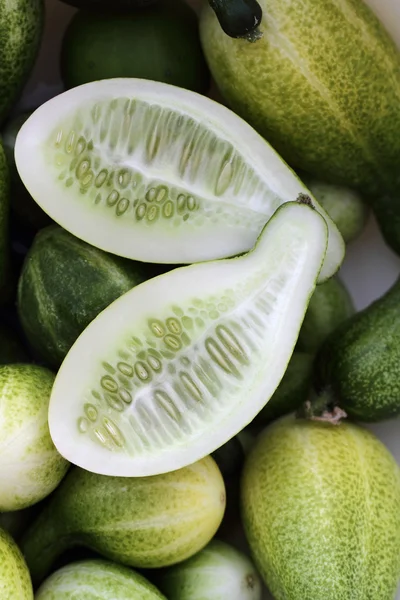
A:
(109, 384)
(83, 425)
(162, 194)
(91, 412)
(114, 402)
(151, 195)
(125, 369)
(101, 177)
(174, 326)
(154, 363)
(142, 371)
(125, 396)
(157, 328)
(82, 168)
(220, 357)
(141, 211)
(181, 204)
(114, 432)
(190, 386)
(173, 342)
(166, 404)
(168, 209)
(122, 206)
(152, 213)
(113, 198)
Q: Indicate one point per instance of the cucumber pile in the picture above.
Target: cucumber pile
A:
(182, 366)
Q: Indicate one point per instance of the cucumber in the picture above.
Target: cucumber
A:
(160, 43)
(21, 26)
(150, 171)
(302, 83)
(238, 18)
(321, 512)
(148, 522)
(14, 574)
(330, 305)
(11, 349)
(180, 364)
(345, 207)
(360, 361)
(64, 284)
(292, 392)
(26, 211)
(30, 466)
(218, 572)
(97, 580)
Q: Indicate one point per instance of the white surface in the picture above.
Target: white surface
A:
(370, 267)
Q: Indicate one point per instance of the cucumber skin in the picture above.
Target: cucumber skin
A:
(360, 361)
(65, 283)
(21, 27)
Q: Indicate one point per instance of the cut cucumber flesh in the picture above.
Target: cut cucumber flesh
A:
(156, 173)
(180, 364)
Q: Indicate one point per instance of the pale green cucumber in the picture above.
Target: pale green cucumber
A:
(148, 522)
(15, 582)
(97, 580)
(219, 572)
(180, 364)
(156, 173)
(30, 466)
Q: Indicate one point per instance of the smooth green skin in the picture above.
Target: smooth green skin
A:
(64, 284)
(330, 305)
(4, 223)
(345, 207)
(145, 522)
(30, 466)
(21, 26)
(322, 85)
(97, 580)
(219, 572)
(27, 212)
(159, 43)
(11, 350)
(321, 512)
(15, 582)
(360, 361)
(293, 390)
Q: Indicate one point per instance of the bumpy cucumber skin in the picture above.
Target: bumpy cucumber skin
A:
(15, 582)
(218, 572)
(330, 305)
(335, 117)
(360, 361)
(65, 283)
(100, 579)
(173, 516)
(160, 43)
(293, 390)
(321, 511)
(21, 26)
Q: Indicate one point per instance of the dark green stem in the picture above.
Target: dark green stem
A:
(323, 408)
(239, 18)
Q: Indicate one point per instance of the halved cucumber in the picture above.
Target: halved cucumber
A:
(156, 173)
(180, 364)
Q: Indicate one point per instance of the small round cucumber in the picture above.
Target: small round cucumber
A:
(15, 581)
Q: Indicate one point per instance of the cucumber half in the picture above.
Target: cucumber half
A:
(156, 173)
(180, 364)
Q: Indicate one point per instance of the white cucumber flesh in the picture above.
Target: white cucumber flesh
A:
(155, 173)
(180, 364)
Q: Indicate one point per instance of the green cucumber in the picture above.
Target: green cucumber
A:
(322, 85)
(330, 305)
(238, 18)
(345, 207)
(97, 580)
(148, 522)
(30, 466)
(26, 211)
(160, 43)
(360, 361)
(149, 171)
(14, 574)
(219, 572)
(293, 390)
(21, 26)
(321, 512)
(11, 349)
(180, 364)
(64, 284)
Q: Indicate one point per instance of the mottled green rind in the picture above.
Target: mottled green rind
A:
(292, 392)
(65, 283)
(219, 572)
(15, 582)
(159, 43)
(11, 350)
(26, 211)
(330, 305)
(146, 522)
(322, 85)
(30, 466)
(4, 222)
(21, 26)
(345, 207)
(321, 511)
(360, 361)
(97, 580)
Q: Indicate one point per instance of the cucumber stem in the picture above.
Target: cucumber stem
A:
(239, 18)
(322, 408)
